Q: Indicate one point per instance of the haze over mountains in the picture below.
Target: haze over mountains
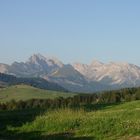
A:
(77, 77)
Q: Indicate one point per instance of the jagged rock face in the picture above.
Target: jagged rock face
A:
(36, 66)
(112, 73)
(77, 77)
(3, 68)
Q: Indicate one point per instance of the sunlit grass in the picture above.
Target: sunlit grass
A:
(115, 122)
(24, 92)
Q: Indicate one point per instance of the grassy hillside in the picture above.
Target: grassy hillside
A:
(116, 122)
(24, 92)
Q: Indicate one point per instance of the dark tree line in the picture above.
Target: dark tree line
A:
(77, 101)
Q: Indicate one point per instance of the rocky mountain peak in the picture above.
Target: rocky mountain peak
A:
(96, 63)
(38, 59)
(35, 58)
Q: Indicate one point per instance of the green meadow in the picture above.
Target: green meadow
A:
(113, 122)
(25, 92)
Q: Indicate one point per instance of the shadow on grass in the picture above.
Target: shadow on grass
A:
(17, 117)
(37, 136)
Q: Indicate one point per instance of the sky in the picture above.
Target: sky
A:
(72, 30)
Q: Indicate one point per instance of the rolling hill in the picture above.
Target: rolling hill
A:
(25, 92)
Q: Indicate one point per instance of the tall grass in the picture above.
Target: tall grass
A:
(115, 122)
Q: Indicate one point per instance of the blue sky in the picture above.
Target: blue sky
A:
(72, 30)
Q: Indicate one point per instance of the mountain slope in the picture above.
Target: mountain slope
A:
(114, 74)
(3, 68)
(37, 65)
(69, 78)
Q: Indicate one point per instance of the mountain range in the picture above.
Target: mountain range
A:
(77, 77)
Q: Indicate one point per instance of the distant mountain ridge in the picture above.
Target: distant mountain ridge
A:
(77, 77)
(113, 73)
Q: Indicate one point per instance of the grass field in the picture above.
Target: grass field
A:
(24, 92)
(114, 122)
